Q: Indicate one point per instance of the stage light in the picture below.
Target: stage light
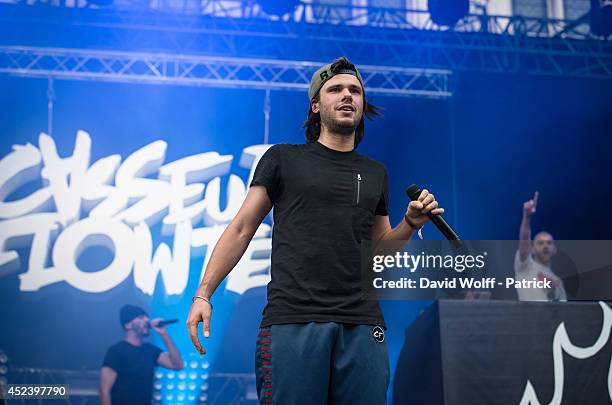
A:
(279, 8)
(448, 12)
(181, 386)
(4, 365)
(193, 375)
(601, 17)
(193, 364)
(203, 397)
(157, 386)
(170, 375)
(157, 397)
(205, 365)
(182, 375)
(204, 376)
(159, 375)
(170, 386)
(192, 386)
(180, 397)
(191, 397)
(169, 397)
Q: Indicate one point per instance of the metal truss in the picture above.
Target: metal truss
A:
(233, 388)
(317, 12)
(157, 68)
(319, 32)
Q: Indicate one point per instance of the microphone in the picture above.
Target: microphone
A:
(165, 322)
(413, 192)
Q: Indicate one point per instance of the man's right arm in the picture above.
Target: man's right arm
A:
(229, 249)
(107, 380)
(529, 208)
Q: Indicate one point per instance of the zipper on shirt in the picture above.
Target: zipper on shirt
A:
(358, 186)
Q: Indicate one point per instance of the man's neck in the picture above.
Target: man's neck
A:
(133, 338)
(342, 143)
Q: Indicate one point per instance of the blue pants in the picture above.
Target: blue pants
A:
(322, 364)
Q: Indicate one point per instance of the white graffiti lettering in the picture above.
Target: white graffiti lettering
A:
(115, 204)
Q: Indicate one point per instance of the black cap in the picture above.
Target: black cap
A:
(129, 312)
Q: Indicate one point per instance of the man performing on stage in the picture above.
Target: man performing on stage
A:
(127, 372)
(319, 341)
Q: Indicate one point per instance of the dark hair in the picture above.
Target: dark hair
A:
(313, 122)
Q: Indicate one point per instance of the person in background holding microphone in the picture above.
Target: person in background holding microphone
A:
(127, 371)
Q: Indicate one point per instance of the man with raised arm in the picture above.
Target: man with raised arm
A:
(533, 260)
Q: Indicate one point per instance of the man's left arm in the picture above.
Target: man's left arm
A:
(172, 358)
(414, 219)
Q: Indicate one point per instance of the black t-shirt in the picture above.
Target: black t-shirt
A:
(325, 202)
(134, 366)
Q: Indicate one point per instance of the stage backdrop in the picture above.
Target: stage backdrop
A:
(125, 200)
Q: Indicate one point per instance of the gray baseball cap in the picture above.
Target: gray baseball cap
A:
(325, 73)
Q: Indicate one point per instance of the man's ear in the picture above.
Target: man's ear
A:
(314, 106)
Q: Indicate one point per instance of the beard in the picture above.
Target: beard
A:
(142, 331)
(340, 127)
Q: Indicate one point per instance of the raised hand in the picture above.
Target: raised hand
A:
(529, 207)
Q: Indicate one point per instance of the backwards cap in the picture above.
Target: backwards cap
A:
(325, 73)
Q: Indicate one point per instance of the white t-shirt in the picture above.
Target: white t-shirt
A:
(531, 269)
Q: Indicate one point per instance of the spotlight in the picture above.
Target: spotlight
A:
(278, 7)
(448, 12)
(4, 367)
(601, 17)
